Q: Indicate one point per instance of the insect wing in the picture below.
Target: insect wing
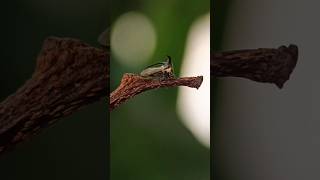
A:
(156, 65)
(152, 72)
(159, 70)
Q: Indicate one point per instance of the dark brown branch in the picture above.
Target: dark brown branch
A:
(262, 65)
(132, 85)
(69, 75)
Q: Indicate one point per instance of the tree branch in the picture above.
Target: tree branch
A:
(132, 85)
(69, 75)
(262, 65)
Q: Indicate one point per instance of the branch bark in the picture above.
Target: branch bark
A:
(262, 65)
(132, 85)
(69, 75)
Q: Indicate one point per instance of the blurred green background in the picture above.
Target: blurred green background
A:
(74, 148)
(148, 138)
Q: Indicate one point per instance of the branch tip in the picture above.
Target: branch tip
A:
(132, 85)
(262, 65)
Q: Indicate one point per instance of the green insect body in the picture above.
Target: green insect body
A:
(161, 71)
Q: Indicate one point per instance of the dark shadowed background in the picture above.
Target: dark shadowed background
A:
(74, 148)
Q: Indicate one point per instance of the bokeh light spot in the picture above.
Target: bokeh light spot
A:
(133, 39)
(194, 105)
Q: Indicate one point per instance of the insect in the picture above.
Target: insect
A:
(161, 71)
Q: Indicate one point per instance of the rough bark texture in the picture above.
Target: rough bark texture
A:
(132, 85)
(69, 75)
(262, 65)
